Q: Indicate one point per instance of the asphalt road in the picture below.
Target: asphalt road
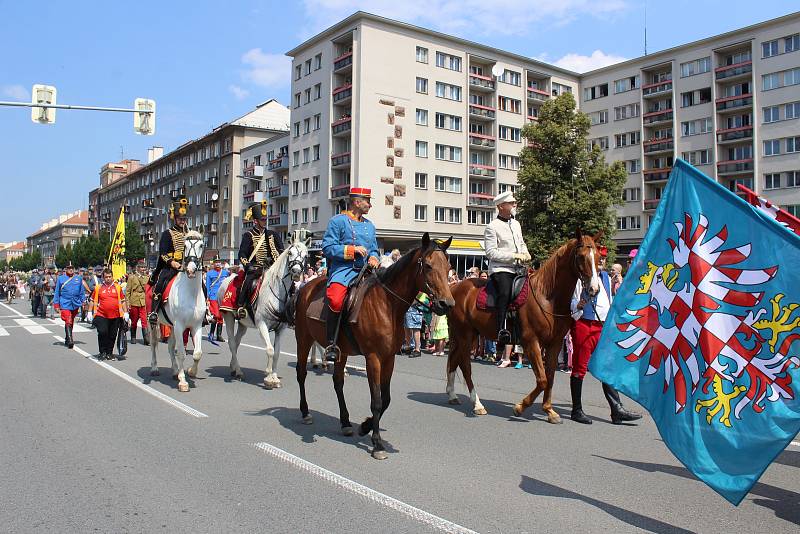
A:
(95, 447)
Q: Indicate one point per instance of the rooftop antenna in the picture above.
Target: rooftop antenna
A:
(122, 151)
(645, 27)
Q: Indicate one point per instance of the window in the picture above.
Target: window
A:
(508, 161)
(420, 212)
(422, 85)
(592, 93)
(422, 54)
(791, 77)
(448, 122)
(481, 217)
(772, 114)
(698, 66)
(295, 187)
(420, 180)
(633, 166)
(791, 43)
(446, 61)
(448, 91)
(305, 186)
(512, 105)
(626, 84)
(742, 152)
(296, 129)
(633, 222)
(295, 158)
(318, 91)
(307, 69)
(509, 133)
(599, 117)
(297, 100)
(448, 153)
(772, 147)
(793, 209)
(448, 215)
(601, 142)
(626, 112)
(294, 216)
(626, 139)
(306, 126)
(298, 72)
(305, 215)
(793, 179)
(511, 77)
(792, 145)
(422, 149)
(558, 88)
(317, 121)
(696, 127)
(422, 117)
(631, 194)
(698, 157)
(314, 183)
(315, 153)
(318, 62)
(447, 184)
(769, 48)
(694, 98)
(772, 180)
(306, 155)
(792, 110)
(769, 81)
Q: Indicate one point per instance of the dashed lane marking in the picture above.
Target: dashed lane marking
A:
(31, 326)
(141, 385)
(354, 487)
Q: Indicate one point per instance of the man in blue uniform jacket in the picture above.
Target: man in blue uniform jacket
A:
(69, 297)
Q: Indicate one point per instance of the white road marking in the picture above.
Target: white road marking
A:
(354, 487)
(25, 322)
(9, 308)
(351, 366)
(139, 384)
(36, 329)
(3, 332)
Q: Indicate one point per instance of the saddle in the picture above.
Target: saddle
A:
(520, 289)
(318, 307)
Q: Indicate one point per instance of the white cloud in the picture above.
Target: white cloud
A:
(17, 92)
(238, 92)
(266, 70)
(465, 17)
(581, 63)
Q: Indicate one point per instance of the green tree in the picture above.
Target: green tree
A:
(134, 245)
(64, 255)
(27, 261)
(565, 185)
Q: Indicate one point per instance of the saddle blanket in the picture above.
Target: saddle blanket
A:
(488, 294)
(232, 292)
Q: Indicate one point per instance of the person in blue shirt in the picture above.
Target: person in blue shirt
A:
(214, 279)
(348, 244)
(68, 298)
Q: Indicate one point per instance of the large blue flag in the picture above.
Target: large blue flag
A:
(704, 332)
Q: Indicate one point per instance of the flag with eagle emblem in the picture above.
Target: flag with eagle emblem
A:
(704, 332)
(116, 255)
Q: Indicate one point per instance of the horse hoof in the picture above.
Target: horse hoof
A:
(191, 373)
(155, 372)
(379, 455)
(518, 410)
(453, 401)
(183, 388)
(347, 430)
(479, 411)
(307, 419)
(554, 419)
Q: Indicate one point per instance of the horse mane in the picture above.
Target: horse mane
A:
(544, 279)
(391, 272)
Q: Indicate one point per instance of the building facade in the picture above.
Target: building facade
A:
(208, 171)
(59, 232)
(12, 251)
(266, 170)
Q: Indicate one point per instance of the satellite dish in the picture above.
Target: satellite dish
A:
(497, 70)
(214, 196)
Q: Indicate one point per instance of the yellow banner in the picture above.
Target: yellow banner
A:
(116, 256)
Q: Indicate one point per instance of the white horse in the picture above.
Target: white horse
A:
(276, 283)
(186, 308)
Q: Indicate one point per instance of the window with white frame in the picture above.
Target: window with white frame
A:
(448, 91)
(698, 157)
(791, 110)
(305, 185)
(306, 155)
(448, 152)
(295, 187)
(601, 142)
(448, 215)
(696, 127)
(448, 61)
(509, 133)
(447, 184)
(772, 147)
(296, 129)
(315, 183)
(306, 125)
(511, 105)
(297, 100)
(593, 93)
(298, 72)
(698, 66)
(315, 153)
(631, 194)
(296, 158)
(318, 91)
(626, 84)
(772, 180)
(598, 117)
(628, 111)
(448, 122)
(422, 117)
(421, 149)
(792, 144)
(420, 212)
(306, 96)
(420, 180)
(318, 62)
(315, 214)
(480, 217)
(507, 161)
(511, 77)
(633, 166)
(294, 216)
(317, 121)
(769, 48)
(422, 54)
(793, 179)
(772, 114)
(631, 222)
(422, 85)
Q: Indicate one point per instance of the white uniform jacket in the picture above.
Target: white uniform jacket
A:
(501, 240)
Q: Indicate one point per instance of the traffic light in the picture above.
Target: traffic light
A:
(144, 118)
(43, 94)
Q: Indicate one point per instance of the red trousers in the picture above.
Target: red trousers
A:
(138, 314)
(213, 307)
(68, 316)
(336, 293)
(585, 336)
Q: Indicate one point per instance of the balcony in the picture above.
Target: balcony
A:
(479, 112)
(657, 175)
(482, 142)
(538, 95)
(276, 221)
(480, 200)
(281, 191)
(342, 127)
(279, 164)
(340, 161)
(340, 191)
(212, 205)
(343, 62)
(343, 94)
(147, 220)
(657, 117)
(477, 170)
(735, 166)
(651, 203)
(730, 135)
(213, 183)
(658, 88)
(729, 103)
(211, 228)
(656, 146)
(532, 118)
(478, 82)
(732, 72)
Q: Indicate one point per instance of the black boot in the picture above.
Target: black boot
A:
(133, 336)
(332, 351)
(145, 337)
(576, 387)
(618, 412)
(503, 335)
(68, 337)
(219, 333)
(156, 305)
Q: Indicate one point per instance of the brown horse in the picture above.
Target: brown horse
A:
(544, 320)
(379, 331)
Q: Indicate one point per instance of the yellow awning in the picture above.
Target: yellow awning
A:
(466, 244)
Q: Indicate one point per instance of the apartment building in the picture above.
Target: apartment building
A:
(208, 171)
(266, 173)
(58, 232)
(728, 104)
(430, 122)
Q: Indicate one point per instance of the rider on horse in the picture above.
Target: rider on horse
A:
(259, 249)
(505, 249)
(170, 254)
(349, 241)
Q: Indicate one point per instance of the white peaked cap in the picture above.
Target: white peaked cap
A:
(507, 196)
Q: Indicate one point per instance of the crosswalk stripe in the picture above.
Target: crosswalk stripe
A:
(3, 332)
(36, 329)
(25, 322)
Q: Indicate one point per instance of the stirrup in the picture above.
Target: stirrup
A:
(504, 337)
(332, 353)
(152, 318)
(241, 312)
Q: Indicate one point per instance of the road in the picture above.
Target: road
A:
(86, 446)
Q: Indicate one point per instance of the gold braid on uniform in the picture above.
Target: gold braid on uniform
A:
(178, 244)
(273, 249)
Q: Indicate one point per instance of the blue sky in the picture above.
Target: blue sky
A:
(208, 62)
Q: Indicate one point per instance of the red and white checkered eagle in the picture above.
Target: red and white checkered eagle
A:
(700, 319)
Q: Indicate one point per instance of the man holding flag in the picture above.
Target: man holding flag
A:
(704, 332)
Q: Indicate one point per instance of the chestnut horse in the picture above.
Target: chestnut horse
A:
(544, 320)
(379, 331)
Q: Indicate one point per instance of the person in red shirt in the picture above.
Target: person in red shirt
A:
(106, 312)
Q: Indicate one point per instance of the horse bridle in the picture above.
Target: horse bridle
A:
(190, 252)
(576, 268)
(295, 262)
(426, 288)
